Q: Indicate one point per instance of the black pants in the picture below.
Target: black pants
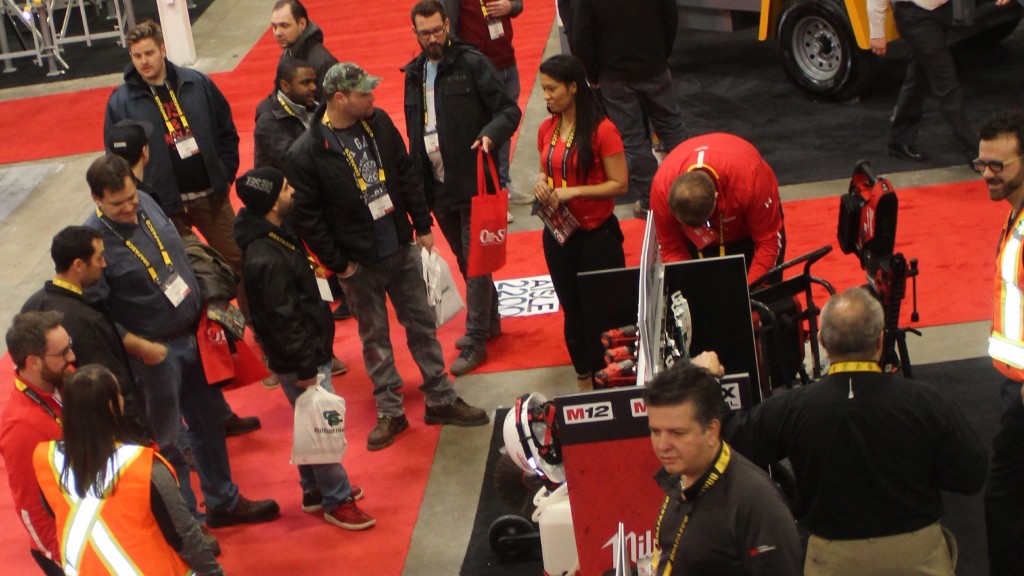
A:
(1004, 490)
(931, 68)
(584, 251)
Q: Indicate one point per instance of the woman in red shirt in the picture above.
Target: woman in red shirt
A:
(582, 170)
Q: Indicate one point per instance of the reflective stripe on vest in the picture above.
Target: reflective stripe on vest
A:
(1006, 343)
(85, 524)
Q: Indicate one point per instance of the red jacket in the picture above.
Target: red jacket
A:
(748, 204)
(23, 426)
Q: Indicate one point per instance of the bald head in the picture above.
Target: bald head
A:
(851, 327)
(692, 198)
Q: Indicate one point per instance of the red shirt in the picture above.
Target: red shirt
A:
(748, 204)
(23, 426)
(606, 141)
(473, 29)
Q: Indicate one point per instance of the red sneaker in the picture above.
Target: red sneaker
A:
(349, 517)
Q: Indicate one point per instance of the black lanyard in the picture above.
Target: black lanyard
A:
(565, 154)
(34, 396)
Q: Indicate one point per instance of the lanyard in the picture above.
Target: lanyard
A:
(565, 154)
(312, 264)
(135, 249)
(352, 159)
(426, 117)
(721, 237)
(483, 9)
(839, 367)
(160, 105)
(34, 396)
(285, 105)
(67, 286)
(719, 468)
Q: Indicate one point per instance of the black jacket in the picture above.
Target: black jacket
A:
(330, 213)
(293, 323)
(209, 117)
(275, 132)
(471, 102)
(622, 40)
(309, 46)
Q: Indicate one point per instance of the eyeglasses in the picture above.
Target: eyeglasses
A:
(996, 166)
(63, 353)
(438, 32)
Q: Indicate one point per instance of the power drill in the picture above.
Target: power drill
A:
(622, 373)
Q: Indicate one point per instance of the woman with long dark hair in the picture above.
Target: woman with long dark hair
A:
(117, 504)
(582, 170)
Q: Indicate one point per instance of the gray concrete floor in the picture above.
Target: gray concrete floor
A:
(55, 196)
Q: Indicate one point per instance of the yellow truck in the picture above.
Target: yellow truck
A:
(825, 44)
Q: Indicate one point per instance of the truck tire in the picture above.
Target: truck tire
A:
(819, 52)
(991, 36)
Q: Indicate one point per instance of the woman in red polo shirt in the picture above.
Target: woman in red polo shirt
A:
(582, 170)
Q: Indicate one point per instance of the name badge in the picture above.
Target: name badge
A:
(325, 289)
(496, 28)
(187, 147)
(379, 203)
(431, 142)
(175, 289)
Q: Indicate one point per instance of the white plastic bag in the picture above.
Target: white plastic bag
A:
(442, 294)
(319, 433)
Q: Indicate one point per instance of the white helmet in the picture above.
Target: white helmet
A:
(531, 438)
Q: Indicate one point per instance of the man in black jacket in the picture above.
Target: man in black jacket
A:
(284, 115)
(301, 39)
(625, 47)
(358, 200)
(455, 103)
(294, 325)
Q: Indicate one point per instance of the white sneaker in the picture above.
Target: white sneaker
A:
(510, 218)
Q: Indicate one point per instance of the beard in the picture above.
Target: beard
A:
(56, 378)
(1004, 189)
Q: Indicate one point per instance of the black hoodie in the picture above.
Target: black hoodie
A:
(309, 46)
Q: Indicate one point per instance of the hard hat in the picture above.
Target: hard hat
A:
(531, 437)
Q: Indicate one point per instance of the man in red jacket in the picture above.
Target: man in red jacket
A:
(41, 351)
(715, 196)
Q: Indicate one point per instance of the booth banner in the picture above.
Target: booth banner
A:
(526, 296)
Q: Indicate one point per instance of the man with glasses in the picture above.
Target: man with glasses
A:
(999, 155)
(714, 195)
(455, 103)
(41, 351)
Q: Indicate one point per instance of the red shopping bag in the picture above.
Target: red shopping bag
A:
(488, 222)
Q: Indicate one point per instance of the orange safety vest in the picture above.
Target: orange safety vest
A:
(1006, 344)
(116, 534)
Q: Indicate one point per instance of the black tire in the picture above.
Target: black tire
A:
(505, 536)
(986, 38)
(819, 52)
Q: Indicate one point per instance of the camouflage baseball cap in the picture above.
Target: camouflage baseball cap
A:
(348, 76)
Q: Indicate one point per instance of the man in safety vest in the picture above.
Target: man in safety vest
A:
(999, 155)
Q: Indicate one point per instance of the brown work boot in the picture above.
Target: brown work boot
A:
(383, 434)
(458, 413)
(245, 512)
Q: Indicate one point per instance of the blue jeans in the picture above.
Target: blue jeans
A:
(399, 277)
(481, 295)
(330, 479)
(177, 388)
(510, 76)
(627, 102)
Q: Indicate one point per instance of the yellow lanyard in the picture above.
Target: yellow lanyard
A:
(721, 238)
(285, 105)
(319, 271)
(483, 9)
(352, 158)
(67, 286)
(719, 468)
(34, 396)
(160, 105)
(565, 154)
(135, 250)
(839, 367)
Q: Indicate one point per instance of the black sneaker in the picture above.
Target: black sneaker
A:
(493, 332)
(312, 500)
(383, 434)
(469, 358)
(236, 425)
(245, 512)
(457, 413)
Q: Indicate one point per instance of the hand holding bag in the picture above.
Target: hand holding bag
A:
(442, 294)
(488, 221)
(319, 430)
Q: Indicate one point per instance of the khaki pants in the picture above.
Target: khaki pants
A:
(215, 220)
(926, 552)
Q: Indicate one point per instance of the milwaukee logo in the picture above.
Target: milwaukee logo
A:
(487, 237)
(584, 413)
(639, 546)
(638, 407)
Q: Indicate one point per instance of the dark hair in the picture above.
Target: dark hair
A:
(1005, 122)
(426, 9)
(687, 382)
(692, 196)
(73, 243)
(92, 422)
(851, 323)
(287, 69)
(589, 112)
(143, 30)
(27, 334)
(298, 10)
(107, 174)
